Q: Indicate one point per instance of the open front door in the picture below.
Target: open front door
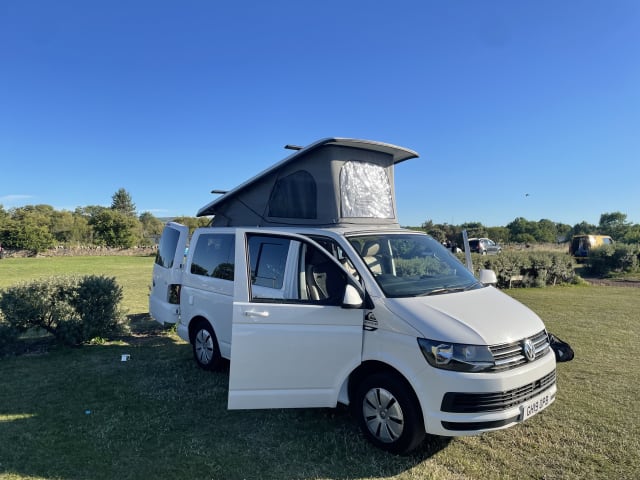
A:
(294, 342)
(164, 299)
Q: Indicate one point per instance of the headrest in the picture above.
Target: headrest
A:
(370, 249)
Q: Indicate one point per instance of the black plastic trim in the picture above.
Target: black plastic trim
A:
(472, 426)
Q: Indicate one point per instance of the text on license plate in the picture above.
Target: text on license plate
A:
(535, 405)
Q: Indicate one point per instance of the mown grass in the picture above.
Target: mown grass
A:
(133, 273)
(84, 414)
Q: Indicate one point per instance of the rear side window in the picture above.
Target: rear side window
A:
(294, 196)
(214, 255)
(167, 248)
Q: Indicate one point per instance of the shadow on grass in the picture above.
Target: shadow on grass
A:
(138, 328)
(83, 413)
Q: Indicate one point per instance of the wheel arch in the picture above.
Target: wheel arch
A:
(378, 376)
(370, 367)
(193, 324)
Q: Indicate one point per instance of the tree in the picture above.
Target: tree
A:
(633, 234)
(151, 226)
(474, 229)
(28, 228)
(27, 234)
(434, 230)
(81, 231)
(563, 231)
(62, 224)
(3, 214)
(522, 230)
(89, 211)
(613, 224)
(4, 219)
(498, 234)
(583, 228)
(546, 231)
(113, 228)
(443, 232)
(193, 222)
(121, 202)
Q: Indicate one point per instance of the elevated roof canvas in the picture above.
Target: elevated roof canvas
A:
(309, 187)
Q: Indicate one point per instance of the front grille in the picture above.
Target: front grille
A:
(457, 402)
(511, 355)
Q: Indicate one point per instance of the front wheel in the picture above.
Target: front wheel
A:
(205, 346)
(389, 414)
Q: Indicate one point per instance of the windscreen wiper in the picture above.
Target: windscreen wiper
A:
(440, 291)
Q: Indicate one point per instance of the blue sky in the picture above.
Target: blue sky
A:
(171, 99)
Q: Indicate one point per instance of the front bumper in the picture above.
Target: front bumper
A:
(459, 404)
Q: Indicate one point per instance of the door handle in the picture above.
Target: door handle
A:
(253, 313)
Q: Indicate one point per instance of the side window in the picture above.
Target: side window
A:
(336, 250)
(214, 256)
(268, 257)
(310, 276)
(167, 247)
(321, 280)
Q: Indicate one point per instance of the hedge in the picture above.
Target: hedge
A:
(74, 310)
(527, 269)
(611, 259)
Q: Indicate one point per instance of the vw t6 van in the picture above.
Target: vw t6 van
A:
(314, 310)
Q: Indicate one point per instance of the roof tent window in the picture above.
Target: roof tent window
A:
(365, 191)
(294, 196)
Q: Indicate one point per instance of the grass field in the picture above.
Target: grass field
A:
(132, 273)
(83, 414)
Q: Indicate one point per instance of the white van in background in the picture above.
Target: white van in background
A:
(366, 314)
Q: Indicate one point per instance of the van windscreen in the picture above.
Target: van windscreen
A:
(409, 265)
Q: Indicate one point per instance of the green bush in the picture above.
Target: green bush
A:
(42, 303)
(97, 303)
(618, 258)
(73, 309)
(537, 269)
(562, 269)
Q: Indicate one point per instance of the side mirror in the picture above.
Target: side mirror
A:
(352, 297)
(488, 277)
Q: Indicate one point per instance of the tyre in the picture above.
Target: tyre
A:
(389, 414)
(205, 346)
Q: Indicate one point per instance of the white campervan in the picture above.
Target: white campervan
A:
(306, 283)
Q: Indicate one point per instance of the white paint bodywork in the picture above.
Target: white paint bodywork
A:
(301, 355)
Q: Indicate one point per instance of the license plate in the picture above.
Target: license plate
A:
(535, 405)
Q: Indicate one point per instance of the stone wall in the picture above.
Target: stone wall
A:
(91, 251)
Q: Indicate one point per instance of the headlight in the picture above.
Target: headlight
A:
(456, 356)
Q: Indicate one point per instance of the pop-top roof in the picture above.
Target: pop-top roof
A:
(330, 182)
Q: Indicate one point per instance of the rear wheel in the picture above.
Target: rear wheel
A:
(205, 346)
(389, 414)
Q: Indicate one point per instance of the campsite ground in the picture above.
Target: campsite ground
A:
(82, 413)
